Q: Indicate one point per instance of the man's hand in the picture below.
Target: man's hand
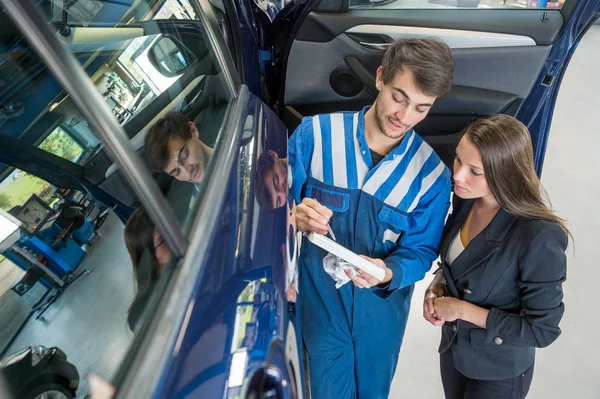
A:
(365, 280)
(312, 216)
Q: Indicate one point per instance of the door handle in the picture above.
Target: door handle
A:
(375, 46)
(366, 77)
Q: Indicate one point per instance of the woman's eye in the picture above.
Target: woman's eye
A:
(474, 173)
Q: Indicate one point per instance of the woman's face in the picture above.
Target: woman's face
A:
(161, 251)
(469, 176)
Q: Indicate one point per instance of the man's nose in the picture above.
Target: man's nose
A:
(403, 116)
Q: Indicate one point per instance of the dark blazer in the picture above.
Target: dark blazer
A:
(515, 268)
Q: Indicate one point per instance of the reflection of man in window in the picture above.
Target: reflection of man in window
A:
(271, 180)
(172, 145)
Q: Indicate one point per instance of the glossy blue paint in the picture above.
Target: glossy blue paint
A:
(238, 311)
(537, 109)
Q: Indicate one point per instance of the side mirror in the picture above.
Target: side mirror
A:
(170, 57)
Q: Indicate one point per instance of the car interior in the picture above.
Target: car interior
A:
(498, 55)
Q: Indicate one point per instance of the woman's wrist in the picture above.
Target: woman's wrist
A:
(464, 310)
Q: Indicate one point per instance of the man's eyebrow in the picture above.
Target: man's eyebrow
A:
(178, 158)
(408, 98)
(275, 203)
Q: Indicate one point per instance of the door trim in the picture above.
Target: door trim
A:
(453, 37)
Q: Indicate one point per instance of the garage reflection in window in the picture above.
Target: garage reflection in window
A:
(75, 294)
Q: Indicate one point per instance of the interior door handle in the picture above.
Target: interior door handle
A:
(375, 46)
(366, 77)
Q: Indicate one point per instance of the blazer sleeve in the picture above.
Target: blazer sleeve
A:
(543, 267)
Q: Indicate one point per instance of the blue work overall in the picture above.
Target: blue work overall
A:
(393, 211)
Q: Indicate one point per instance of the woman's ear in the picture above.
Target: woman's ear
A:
(273, 155)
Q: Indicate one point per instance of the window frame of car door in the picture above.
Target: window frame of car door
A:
(151, 356)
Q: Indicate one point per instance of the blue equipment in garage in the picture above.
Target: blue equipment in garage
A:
(55, 235)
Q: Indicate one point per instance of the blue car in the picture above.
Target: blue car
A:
(83, 84)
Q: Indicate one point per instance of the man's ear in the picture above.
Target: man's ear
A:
(273, 154)
(379, 79)
(193, 129)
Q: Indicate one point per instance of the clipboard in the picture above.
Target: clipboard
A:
(341, 252)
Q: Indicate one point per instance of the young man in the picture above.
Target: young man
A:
(271, 181)
(385, 194)
(172, 145)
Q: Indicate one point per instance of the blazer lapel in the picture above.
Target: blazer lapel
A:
(460, 211)
(455, 221)
(484, 245)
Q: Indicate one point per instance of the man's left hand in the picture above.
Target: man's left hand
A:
(365, 280)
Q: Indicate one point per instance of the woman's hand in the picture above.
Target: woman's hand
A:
(365, 280)
(448, 308)
(432, 293)
(435, 290)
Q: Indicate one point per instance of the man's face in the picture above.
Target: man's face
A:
(187, 158)
(400, 105)
(276, 181)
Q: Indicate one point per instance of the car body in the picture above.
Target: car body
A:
(221, 325)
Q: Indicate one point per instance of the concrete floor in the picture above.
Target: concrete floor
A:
(569, 368)
(89, 321)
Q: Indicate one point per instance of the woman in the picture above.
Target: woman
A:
(142, 237)
(498, 292)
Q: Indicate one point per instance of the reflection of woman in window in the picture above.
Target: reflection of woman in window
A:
(141, 237)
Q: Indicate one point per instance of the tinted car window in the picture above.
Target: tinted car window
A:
(156, 70)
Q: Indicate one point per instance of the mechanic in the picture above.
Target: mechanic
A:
(172, 145)
(385, 194)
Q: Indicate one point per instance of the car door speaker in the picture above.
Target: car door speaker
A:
(345, 82)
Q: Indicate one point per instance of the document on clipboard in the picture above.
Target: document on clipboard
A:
(341, 252)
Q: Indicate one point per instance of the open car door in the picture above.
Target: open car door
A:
(509, 57)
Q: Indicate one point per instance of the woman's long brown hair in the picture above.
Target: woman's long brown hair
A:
(139, 238)
(507, 155)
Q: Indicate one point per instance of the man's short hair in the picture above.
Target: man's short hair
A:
(429, 59)
(264, 163)
(156, 142)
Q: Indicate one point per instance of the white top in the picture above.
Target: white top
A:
(456, 248)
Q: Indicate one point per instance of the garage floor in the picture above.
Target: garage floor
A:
(569, 368)
(89, 321)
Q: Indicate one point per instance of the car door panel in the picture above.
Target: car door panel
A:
(324, 26)
(497, 54)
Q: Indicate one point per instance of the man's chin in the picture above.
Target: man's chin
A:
(395, 134)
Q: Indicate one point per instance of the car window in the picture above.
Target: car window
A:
(78, 283)
(449, 4)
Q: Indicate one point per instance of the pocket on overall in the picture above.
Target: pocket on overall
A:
(334, 200)
(391, 225)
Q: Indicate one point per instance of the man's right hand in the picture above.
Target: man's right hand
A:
(312, 216)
